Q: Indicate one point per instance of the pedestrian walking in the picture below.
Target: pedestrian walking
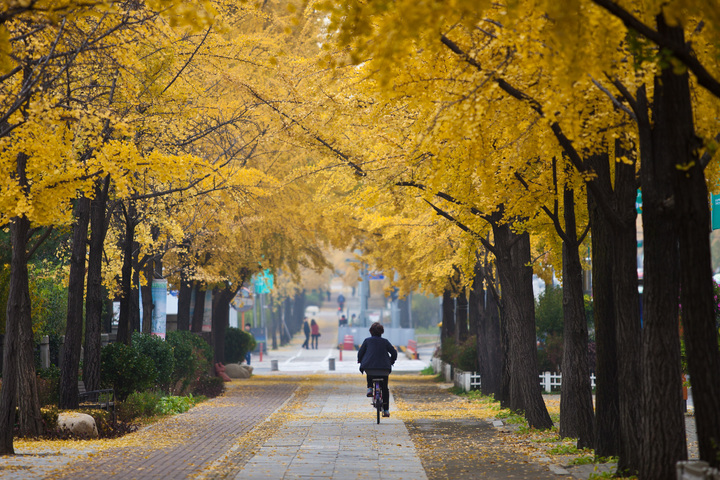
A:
(306, 331)
(248, 355)
(315, 333)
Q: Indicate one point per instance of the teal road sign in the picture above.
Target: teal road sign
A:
(264, 282)
(715, 208)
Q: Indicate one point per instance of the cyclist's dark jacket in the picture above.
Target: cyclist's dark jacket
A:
(376, 353)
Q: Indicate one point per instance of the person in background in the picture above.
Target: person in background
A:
(248, 355)
(341, 302)
(376, 358)
(315, 333)
(306, 331)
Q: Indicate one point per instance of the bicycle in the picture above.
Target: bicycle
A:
(377, 398)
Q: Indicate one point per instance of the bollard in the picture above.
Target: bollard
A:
(331, 364)
(274, 365)
(45, 351)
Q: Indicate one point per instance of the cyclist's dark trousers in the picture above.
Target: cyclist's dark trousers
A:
(383, 388)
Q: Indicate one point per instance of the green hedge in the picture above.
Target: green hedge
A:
(237, 344)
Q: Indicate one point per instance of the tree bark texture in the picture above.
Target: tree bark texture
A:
(696, 283)
(448, 317)
(287, 318)
(461, 318)
(484, 311)
(627, 312)
(576, 405)
(18, 362)
(518, 309)
(125, 319)
(221, 298)
(299, 303)
(274, 320)
(184, 298)
(198, 309)
(663, 427)
(94, 297)
(146, 296)
(607, 410)
(76, 290)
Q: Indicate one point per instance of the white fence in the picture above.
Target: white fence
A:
(550, 381)
(471, 380)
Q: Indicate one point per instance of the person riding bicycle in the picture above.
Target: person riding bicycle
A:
(376, 358)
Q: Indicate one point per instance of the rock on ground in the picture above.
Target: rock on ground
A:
(78, 424)
(235, 370)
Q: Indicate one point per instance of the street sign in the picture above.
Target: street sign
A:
(715, 210)
(264, 282)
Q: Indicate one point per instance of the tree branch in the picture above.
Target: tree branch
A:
(682, 52)
(708, 155)
(463, 227)
(189, 60)
(344, 157)
(552, 216)
(39, 242)
(614, 100)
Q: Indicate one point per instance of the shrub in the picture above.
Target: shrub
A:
(139, 404)
(193, 357)
(208, 386)
(161, 354)
(48, 385)
(174, 405)
(125, 370)
(463, 356)
(103, 421)
(448, 351)
(237, 343)
(49, 417)
(466, 356)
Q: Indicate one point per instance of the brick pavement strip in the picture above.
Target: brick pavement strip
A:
(183, 445)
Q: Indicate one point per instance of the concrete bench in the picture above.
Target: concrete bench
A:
(97, 399)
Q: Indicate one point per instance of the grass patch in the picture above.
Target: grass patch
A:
(564, 450)
(429, 370)
(584, 460)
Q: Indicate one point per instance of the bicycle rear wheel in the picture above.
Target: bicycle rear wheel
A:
(377, 399)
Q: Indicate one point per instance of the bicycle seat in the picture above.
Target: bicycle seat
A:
(378, 373)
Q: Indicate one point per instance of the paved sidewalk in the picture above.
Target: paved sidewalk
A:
(184, 445)
(330, 432)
